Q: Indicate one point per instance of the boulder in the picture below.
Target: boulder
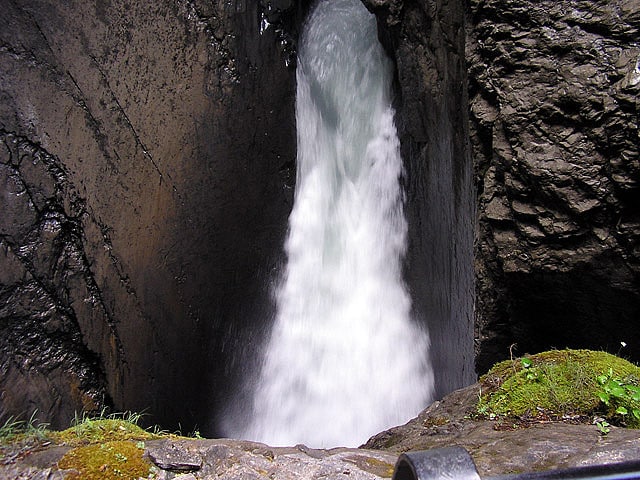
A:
(500, 446)
(190, 459)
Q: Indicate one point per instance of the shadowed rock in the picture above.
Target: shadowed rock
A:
(554, 90)
(146, 162)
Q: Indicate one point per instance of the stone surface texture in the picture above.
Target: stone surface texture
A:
(229, 459)
(146, 165)
(554, 94)
(187, 459)
(499, 447)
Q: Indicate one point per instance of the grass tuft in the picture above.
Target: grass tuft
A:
(103, 428)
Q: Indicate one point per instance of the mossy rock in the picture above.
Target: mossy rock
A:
(564, 383)
(101, 430)
(121, 459)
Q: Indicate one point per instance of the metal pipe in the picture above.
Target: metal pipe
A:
(455, 463)
(437, 464)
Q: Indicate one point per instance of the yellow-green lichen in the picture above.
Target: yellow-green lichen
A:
(372, 465)
(115, 460)
(562, 382)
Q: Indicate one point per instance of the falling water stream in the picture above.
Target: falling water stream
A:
(344, 360)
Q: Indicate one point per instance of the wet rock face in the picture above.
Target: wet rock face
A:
(554, 90)
(146, 168)
(426, 41)
(46, 286)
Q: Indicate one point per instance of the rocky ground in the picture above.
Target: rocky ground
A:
(497, 447)
(500, 447)
(189, 459)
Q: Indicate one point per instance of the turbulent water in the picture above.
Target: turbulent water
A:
(344, 360)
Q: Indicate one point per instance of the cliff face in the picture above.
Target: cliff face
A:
(426, 40)
(554, 90)
(147, 166)
(147, 162)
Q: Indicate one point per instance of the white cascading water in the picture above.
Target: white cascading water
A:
(344, 360)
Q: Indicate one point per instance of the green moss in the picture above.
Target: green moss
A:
(101, 430)
(562, 382)
(107, 447)
(111, 460)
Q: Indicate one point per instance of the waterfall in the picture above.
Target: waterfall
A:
(345, 359)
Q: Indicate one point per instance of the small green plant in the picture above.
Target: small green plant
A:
(31, 428)
(603, 427)
(87, 429)
(530, 372)
(10, 429)
(18, 437)
(621, 397)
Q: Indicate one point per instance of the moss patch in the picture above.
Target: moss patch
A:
(121, 459)
(563, 383)
(101, 430)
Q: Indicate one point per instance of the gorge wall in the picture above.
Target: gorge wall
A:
(554, 89)
(427, 41)
(146, 168)
(147, 165)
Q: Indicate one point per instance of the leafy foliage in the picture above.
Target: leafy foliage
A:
(621, 398)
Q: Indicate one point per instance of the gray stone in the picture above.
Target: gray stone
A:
(499, 447)
(230, 459)
(169, 456)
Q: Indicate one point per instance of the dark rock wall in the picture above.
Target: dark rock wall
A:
(554, 90)
(45, 278)
(147, 161)
(146, 165)
(427, 39)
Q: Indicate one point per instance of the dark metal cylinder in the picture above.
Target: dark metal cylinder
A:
(438, 464)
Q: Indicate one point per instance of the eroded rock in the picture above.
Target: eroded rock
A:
(145, 178)
(499, 447)
(554, 116)
(188, 459)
